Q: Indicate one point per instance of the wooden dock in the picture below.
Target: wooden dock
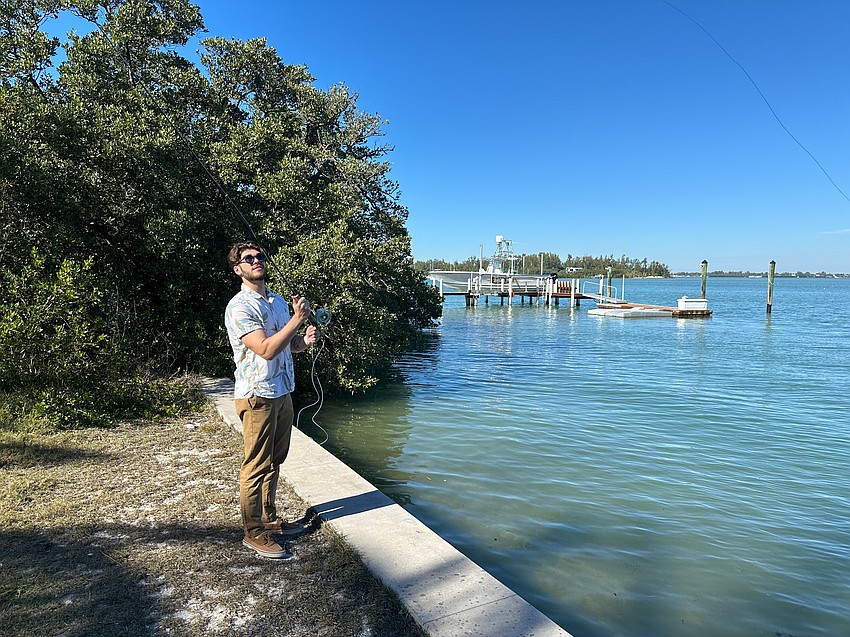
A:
(675, 312)
(550, 294)
(556, 291)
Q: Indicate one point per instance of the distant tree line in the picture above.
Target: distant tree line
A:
(569, 266)
(784, 275)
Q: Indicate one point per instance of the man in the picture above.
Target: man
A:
(263, 336)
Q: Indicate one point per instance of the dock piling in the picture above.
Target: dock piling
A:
(770, 274)
(704, 265)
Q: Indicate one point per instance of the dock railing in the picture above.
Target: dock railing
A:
(543, 288)
(599, 291)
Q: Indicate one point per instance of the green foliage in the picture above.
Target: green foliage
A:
(99, 157)
(378, 302)
(62, 362)
(51, 329)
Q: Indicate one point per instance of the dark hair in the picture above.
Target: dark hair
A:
(235, 254)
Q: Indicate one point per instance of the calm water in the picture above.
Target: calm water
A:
(633, 476)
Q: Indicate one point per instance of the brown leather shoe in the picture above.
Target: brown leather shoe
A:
(283, 527)
(265, 545)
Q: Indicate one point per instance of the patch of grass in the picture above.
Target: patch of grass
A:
(43, 409)
(135, 530)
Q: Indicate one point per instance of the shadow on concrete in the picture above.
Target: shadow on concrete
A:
(335, 509)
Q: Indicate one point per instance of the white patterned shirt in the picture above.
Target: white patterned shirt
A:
(255, 376)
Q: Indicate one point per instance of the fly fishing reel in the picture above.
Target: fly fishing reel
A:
(321, 317)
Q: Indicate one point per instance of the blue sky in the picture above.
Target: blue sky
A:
(595, 126)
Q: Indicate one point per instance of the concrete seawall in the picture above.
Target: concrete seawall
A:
(444, 591)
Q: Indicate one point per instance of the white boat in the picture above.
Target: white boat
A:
(499, 277)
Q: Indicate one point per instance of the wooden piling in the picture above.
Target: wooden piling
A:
(704, 265)
(770, 275)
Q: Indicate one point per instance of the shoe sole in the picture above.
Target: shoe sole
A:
(272, 555)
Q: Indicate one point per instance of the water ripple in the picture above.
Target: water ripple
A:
(645, 477)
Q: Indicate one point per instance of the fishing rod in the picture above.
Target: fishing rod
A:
(320, 317)
(763, 97)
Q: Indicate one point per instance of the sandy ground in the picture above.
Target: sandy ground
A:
(135, 530)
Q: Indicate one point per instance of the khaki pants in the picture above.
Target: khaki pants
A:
(266, 432)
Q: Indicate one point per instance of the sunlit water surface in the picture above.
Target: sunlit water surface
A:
(633, 477)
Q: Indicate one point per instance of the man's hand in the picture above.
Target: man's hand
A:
(270, 346)
(313, 335)
(300, 308)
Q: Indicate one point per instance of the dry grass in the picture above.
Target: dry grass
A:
(135, 530)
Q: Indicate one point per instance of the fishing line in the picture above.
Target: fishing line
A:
(320, 396)
(762, 95)
(134, 81)
(320, 317)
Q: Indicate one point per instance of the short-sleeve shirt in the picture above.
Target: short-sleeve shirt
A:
(255, 376)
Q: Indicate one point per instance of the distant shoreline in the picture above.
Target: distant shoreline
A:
(779, 275)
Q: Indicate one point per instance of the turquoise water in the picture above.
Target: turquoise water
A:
(633, 476)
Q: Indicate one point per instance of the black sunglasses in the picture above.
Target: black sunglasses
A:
(250, 258)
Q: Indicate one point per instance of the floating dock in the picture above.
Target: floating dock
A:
(630, 312)
(685, 308)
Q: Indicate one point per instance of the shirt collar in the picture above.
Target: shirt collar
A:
(253, 293)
